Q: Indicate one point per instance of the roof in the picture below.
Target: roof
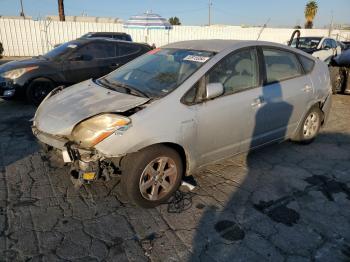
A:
(84, 40)
(214, 45)
(106, 33)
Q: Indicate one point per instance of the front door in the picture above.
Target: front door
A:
(223, 122)
(90, 61)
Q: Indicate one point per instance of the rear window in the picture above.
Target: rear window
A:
(280, 65)
(128, 49)
(307, 63)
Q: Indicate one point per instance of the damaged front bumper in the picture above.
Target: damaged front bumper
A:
(86, 165)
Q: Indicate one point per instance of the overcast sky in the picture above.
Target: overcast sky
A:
(193, 12)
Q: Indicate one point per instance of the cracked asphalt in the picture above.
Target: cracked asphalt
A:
(285, 202)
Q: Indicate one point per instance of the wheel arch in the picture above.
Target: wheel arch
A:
(184, 154)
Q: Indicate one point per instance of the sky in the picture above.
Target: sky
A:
(282, 13)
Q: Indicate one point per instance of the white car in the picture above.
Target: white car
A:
(177, 108)
(323, 48)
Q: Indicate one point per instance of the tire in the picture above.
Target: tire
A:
(38, 89)
(309, 126)
(337, 79)
(136, 173)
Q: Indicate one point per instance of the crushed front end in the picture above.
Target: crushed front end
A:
(86, 165)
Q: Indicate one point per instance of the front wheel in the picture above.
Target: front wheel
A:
(310, 126)
(38, 89)
(152, 175)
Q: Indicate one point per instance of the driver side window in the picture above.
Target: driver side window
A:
(236, 72)
(327, 43)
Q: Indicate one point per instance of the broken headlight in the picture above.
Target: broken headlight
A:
(95, 129)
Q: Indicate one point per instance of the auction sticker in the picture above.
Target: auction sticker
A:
(195, 58)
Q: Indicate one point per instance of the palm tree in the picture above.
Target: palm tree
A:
(310, 13)
(174, 20)
(61, 10)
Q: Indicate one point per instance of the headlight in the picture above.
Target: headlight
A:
(93, 130)
(16, 73)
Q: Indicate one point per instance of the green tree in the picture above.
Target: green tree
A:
(174, 20)
(310, 13)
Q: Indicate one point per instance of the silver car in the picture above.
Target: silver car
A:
(178, 108)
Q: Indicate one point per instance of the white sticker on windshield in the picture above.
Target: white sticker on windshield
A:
(72, 46)
(195, 58)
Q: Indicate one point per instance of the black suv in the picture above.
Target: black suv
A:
(114, 35)
(67, 64)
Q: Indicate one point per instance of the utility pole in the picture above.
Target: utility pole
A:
(330, 25)
(22, 12)
(209, 13)
(61, 10)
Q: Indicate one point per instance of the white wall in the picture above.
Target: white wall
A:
(29, 38)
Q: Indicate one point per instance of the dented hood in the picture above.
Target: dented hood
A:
(58, 114)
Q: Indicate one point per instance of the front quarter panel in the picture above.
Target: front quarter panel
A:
(163, 121)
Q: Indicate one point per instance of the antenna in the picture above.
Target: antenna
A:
(263, 27)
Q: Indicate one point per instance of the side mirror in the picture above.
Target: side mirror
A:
(214, 90)
(326, 47)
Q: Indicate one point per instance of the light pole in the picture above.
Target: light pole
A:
(209, 12)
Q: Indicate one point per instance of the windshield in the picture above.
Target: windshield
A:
(307, 42)
(61, 50)
(160, 71)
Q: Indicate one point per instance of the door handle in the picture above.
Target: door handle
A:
(257, 102)
(307, 88)
(114, 65)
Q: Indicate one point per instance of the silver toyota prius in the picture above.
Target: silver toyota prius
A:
(177, 108)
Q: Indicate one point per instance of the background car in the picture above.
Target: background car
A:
(67, 64)
(340, 73)
(347, 43)
(342, 46)
(323, 48)
(113, 35)
(180, 107)
(1, 50)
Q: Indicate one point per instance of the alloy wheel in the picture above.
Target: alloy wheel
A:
(311, 125)
(158, 178)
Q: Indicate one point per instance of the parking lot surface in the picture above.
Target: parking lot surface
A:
(285, 202)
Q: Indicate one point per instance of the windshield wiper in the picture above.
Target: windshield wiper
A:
(129, 89)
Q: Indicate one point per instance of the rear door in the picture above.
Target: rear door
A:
(287, 91)
(106, 57)
(127, 52)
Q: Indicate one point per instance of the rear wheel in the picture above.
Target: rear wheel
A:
(337, 79)
(38, 89)
(152, 175)
(310, 126)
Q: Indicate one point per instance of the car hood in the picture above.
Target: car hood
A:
(58, 114)
(22, 63)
